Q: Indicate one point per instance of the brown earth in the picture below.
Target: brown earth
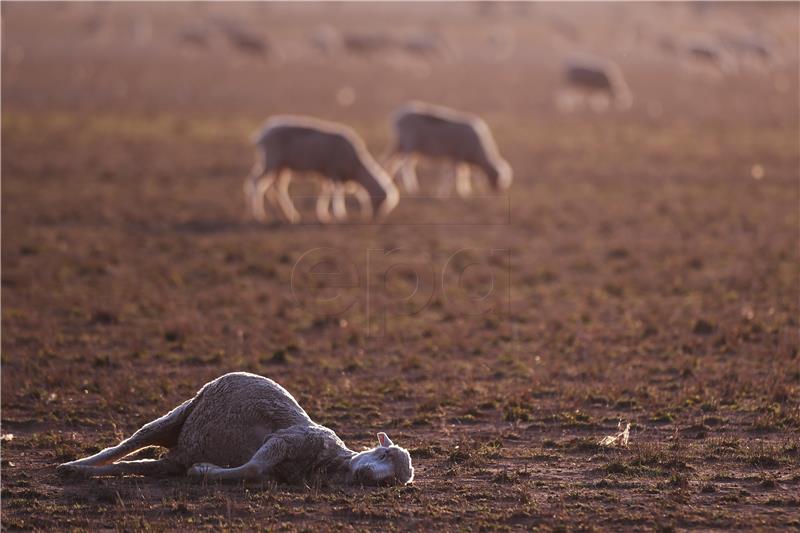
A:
(643, 267)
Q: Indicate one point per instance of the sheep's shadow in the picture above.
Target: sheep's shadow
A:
(216, 226)
(220, 226)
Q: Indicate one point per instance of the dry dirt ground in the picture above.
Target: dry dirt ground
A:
(643, 267)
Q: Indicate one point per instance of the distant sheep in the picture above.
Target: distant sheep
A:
(367, 42)
(566, 29)
(195, 35)
(708, 50)
(438, 132)
(243, 426)
(334, 152)
(749, 47)
(428, 44)
(326, 39)
(594, 74)
(243, 39)
(419, 43)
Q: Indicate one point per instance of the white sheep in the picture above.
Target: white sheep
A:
(241, 38)
(244, 426)
(594, 74)
(326, 39)
(750, 46)
(706, 49)
(367, 42)
(426, 43)
(334, 152)
(438, 132)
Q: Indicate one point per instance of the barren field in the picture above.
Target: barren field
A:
(642, 268)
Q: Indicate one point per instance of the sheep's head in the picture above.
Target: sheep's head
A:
(384, 204)
(500, 175)
(382, 191)
(386, 464)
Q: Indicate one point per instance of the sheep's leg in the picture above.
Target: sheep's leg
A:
(364, 202)
(258, 171)
(393, 162)
(324, 202)
(265, 459)
(160, 432)
(409, 174)
(210, 472)
(145, 467)
(445, 184)
(263, 188)
(339, 205)
(284, 200)
(463, 180)
(272, 198)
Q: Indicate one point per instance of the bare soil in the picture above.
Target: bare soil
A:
(643, 267)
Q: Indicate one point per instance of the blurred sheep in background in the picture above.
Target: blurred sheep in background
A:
(593, 76)
(438, 132)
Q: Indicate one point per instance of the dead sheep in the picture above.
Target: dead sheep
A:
(244, 426)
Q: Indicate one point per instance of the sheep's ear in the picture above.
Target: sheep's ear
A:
(384, 439)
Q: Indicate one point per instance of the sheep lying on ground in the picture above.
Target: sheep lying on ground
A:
(597, 75)
(438, 132)
(333, 152)
(244, 426)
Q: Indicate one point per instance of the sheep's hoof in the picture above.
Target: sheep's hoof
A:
(200, 470)
(67, 470)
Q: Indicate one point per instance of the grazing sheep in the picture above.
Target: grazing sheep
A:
(194, 35)
(241, 38)
(594, 74)
(326, 39)
(565, 29)
(438, 132)
(707, 50)
(333, 151)
(748, 46)
(420, 43)
(244, 426)
(425, 43)
(367, 42)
